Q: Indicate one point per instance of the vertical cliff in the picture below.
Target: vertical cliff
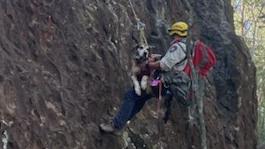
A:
(64, 67)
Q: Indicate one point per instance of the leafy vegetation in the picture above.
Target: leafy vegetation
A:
(249, 18)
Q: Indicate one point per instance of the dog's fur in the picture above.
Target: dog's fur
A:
(140, 73)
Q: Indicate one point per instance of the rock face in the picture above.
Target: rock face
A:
(64, 66)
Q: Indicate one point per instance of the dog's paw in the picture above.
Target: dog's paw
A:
(144, 82)
(137, 90)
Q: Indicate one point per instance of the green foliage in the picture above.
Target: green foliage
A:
(249, 18)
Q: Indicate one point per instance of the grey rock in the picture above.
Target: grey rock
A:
(64, 64)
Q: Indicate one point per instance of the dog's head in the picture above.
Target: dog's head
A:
(141, 54)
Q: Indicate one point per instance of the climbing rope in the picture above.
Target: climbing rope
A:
(140, 27)
(196, 82)
(159, 98)
(143, 42)
(159, 125)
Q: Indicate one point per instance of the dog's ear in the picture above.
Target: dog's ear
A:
(135, 47)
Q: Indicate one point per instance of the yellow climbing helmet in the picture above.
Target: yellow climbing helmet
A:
(179, 28)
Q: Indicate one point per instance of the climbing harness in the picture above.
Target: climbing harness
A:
(140, 27)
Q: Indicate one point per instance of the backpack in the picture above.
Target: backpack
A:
(180, 83)
(203, 59)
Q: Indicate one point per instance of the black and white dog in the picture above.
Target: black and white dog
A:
(140, 71)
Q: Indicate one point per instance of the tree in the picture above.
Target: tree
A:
(249, 17)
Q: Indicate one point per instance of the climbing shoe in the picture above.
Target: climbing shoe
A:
(107, 128)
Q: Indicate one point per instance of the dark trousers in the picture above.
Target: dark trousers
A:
(132, 104)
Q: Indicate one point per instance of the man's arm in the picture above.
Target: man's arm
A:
(154, 65)
(172, 57)
(156, 56)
